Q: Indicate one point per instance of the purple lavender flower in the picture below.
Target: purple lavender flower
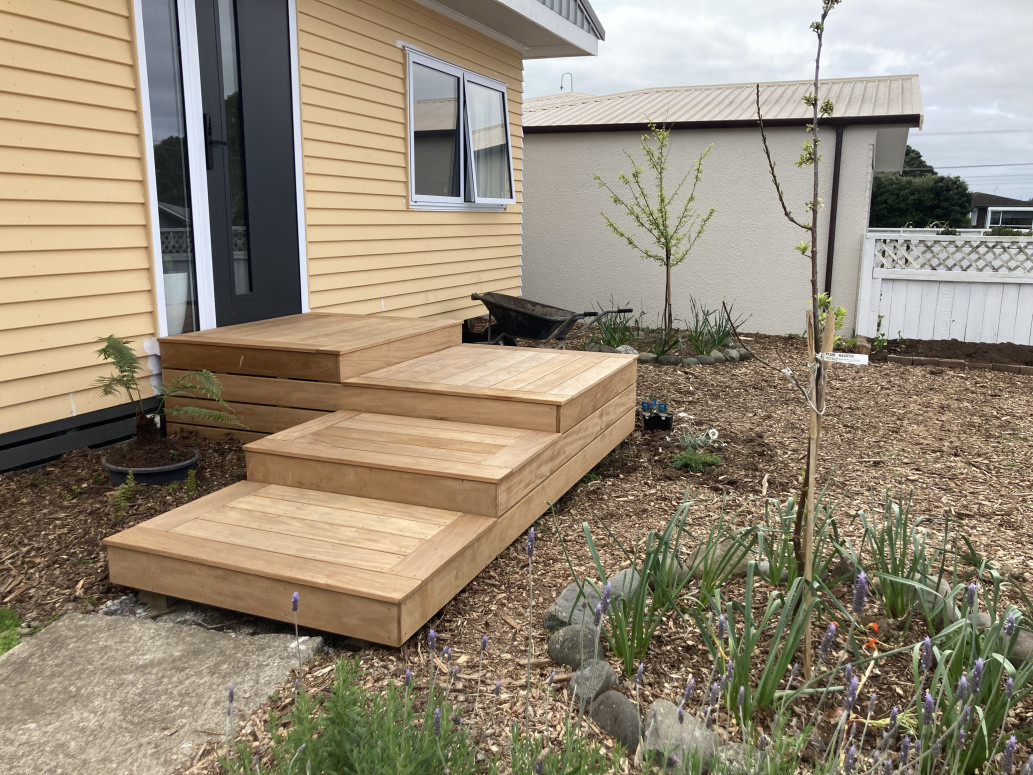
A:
(455, 671)
(936, 750)
(793, 672)
(715, 691)
(887, 767)
(848, 672)
(432, 639)
(860, 593)
(742, 697)
(970, 596)
(905, 751)
(976, 677)
(928, 710)
(233, 691)
(1009, 687)
(484, 644)
(607, 597)
(1028, 769)
(763, 742)
(688, 689)
(530, 543)
(891, 729)
(597, 619)
(722, 626)
(966, 715)
(849, 760)
(539, 767)
(826, 642)
(446, 652)
(437, 722)
(727, 677)
(962, 690)
(639, 673)
(871, 705)
(498, 688)
(851, 695)
(1008, 758)
(408, 678)
(708, 718)
(927, 654)
(681, 715)
(294, 602)
(1009, 624)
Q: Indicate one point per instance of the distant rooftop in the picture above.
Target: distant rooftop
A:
(887, 99)
(979, 199)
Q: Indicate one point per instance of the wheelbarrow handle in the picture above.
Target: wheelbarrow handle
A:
(593, 313)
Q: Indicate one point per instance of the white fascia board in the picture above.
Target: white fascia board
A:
(548, 19)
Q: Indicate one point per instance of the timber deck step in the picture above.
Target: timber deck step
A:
(521, 387)
(482, 469)
(251, 545)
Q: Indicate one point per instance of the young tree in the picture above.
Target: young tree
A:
(670, 230)
(819, 339)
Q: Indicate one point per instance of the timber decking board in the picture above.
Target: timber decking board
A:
(470, 465)
(320, 346)
(546, 390)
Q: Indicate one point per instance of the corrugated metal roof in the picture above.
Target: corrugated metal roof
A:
(879, 99)
(577, 12)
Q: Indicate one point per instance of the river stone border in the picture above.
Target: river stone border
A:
(727, 355)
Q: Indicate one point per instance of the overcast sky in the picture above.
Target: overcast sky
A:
(975, 61)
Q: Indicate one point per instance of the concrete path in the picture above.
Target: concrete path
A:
(110, 694)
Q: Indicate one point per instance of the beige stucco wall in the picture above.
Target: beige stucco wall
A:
(368, 251)
(75, 252)
(745, 256)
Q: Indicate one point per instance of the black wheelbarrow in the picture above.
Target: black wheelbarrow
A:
(511, 318)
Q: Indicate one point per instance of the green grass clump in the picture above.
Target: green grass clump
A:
(695, 460)
(9, 624)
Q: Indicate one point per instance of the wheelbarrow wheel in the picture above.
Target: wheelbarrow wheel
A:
(507, 340)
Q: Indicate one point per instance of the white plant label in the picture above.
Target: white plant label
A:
(854, 359)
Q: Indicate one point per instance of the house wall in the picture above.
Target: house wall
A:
(368, 252)
(745, 256)
(75, 260)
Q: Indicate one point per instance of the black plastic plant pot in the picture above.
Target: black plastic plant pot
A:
(664, 423)
(650, 422)
(175, 472)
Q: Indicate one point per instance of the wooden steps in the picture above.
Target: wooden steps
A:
(539, 389)
(378, 496)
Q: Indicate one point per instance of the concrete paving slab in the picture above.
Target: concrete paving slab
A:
(97, 694)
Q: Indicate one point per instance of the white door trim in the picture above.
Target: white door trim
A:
(299, 170)
(193, 114)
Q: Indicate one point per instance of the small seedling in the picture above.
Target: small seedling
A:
(124, 496)
(696, 461)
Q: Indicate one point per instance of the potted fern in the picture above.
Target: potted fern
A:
(152, 457)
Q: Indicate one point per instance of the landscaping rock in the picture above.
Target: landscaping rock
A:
(627, 349)
(1023, 648)
(705, 360)
(734, 759)
(646, 358)
(1013, 368)
(744, 354)
(593, 347)
(605, 348)
(899, 360)
(668, 740)
(732, 355)
(624, 583)
(594, 677)
(572, 607)
(575, 645)
(669, 360)
(690, 362)
(693, 564)
(718, 356)
(618, 716)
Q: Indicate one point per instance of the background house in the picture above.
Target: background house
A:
(989, 210)
(746, 255)
(171, 165)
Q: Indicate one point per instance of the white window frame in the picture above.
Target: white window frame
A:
(466, 169)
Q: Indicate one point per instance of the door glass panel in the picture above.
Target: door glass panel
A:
(486, 109)
(435, 123)
(171, 175)
(234, 147)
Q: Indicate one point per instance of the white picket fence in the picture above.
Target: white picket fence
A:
(919, 285)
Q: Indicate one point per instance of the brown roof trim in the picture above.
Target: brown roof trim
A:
(910, 119)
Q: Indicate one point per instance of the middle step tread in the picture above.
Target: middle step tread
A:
(479, 469)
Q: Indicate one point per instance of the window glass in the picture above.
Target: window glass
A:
(435, 142)
(171, 176)
(489, 140)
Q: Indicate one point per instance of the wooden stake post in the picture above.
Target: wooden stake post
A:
(816, 366)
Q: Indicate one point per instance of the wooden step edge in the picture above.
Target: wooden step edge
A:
(443, 388)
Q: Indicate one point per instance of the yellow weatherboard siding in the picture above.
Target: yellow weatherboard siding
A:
(75, 255)
(368, 252)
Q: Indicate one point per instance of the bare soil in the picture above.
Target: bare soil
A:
(960, 442)
(973, 352)
(161, 452)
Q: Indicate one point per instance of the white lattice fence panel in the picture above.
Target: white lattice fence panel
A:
(954, 254)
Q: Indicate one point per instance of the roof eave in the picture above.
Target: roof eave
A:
(906, 119)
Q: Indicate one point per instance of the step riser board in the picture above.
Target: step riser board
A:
(172, 564)
(297, 465)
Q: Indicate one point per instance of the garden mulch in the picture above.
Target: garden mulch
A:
(961, 442)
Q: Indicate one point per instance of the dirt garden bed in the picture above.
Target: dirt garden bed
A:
(961, 441)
